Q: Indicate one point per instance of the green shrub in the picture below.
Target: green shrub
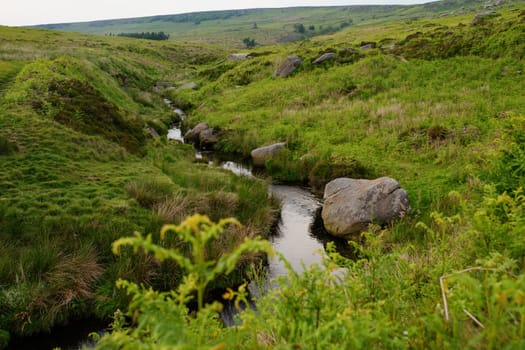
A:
(499, 224)
(7, 147)
(326, 170)
(162, 318)
(510, 170)
(4, 339)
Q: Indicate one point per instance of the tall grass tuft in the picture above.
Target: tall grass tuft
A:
(64, 291)
(7, 147)
(149, 192)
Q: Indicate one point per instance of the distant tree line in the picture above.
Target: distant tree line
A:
(145, 35)
(300, 28)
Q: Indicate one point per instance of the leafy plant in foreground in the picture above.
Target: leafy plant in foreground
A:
(198, 231)
(161, 318)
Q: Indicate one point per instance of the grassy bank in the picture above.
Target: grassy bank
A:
(428, 121)
(80, 169)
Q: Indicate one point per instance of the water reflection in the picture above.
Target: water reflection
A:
(237, 169)
(293, 238)
(212, 158)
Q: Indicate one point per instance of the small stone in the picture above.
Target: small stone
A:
(189, 86)
(324, 57)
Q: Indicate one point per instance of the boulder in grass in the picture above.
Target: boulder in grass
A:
(189, 86)
(207, 138)
(201, 135)
(153, 132)
(239, 56)
(480, 17)
(368, 46)
(324, 57)
(192, 135)
(288, 67)
(261, 154)
(350, 205)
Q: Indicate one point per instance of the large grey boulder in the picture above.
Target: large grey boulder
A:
(350, 205)
(261, 154)
(288, 67)
(192, 135)
(207, 138)
(324, 57)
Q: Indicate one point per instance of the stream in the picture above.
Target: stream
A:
(298, 237)
(295, 236)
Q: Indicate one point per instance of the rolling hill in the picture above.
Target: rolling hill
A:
(268, 26)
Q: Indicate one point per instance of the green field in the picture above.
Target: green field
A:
(269, 26)
(437, 103)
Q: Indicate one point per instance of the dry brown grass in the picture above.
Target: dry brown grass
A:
(73, 276)
(70, 280)
(173, 209)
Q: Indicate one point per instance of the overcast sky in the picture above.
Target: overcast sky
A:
(28, 12)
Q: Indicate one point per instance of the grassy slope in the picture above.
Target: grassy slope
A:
(273, 25)
(79, 170)
(381, 111)
(443, 113)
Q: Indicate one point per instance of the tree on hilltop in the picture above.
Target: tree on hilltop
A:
(249, 42)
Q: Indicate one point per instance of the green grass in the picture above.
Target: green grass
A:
(419, 121)
(390, 296)
(442, 113)
(273, 26)
(8, 70)
(377, 122)
(80, 170)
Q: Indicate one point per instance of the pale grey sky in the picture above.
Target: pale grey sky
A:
(28, 12)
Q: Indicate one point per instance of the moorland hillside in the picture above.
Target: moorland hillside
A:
(435, 102)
